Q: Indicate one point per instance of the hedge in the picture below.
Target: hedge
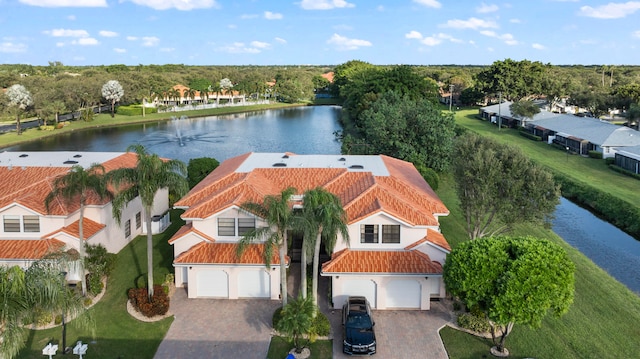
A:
(624, 171)
(595, 154)
(530, 136)
(134, 110)
(612, 209)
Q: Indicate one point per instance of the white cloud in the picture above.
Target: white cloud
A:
(239, 48)
(515, 21)
(59, 44)
(538, 46)
(12, 48)
(106, 33)
(66, 33)
(71, 17)
(611, 10)
(280, 40)
(433, 40)
(85, 41)
(484, 8)
(260, 44)
(272, 15)
(119, 50)
(413, 35)
(249, 16)
(167, 49)
(507, 38)
(636, 34)
(184, 5)
(429, 3)
(150, 41)
(65, 3)
(324, 4)
(344, 43)
(132, 38)
(473, 23)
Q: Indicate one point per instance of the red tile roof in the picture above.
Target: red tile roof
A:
(186, 229)
(225, 253)
(28, 249)
(90, 228)
(432, 236)
(381, 262)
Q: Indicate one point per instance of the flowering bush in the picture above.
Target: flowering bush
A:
(159, 304)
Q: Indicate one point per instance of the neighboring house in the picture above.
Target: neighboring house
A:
(29, 231)
(396, 249)
(629, 159)
(199, 97)
(579, 134)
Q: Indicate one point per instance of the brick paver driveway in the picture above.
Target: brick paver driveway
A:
(218, 328)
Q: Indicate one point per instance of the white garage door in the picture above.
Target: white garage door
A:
(403, 293)
(361, 287)
(254, 284)
(212, 283)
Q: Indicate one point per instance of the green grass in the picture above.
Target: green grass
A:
(280, 347)
(603, 320)
(105, 120)
(118, 335)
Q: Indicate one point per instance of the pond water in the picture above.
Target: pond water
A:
(309, 130)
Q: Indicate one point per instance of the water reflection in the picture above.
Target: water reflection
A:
(179, 131)
(607, 246)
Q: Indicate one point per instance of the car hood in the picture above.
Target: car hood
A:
(359, 336)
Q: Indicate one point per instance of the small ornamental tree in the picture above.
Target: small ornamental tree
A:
(113, 92)
(524, 109)
(21, 99)
(296, 320)
(511, 280)
(226, 85)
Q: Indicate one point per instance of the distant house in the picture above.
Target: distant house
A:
(396, 249)
(29, 231)
(232, 96)
(579, 134)
(629, 159)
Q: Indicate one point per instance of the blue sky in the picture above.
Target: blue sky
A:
(318, 32)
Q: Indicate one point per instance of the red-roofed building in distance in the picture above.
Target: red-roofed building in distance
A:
(396, 250)
(29, 231)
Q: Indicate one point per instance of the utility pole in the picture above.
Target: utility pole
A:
(450, 96)
(499, 110)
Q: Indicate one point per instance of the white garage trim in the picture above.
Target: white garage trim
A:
(362, 287)
(212, 283)
(254, 284)
(403, 294)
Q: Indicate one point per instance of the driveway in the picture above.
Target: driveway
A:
(217, 328)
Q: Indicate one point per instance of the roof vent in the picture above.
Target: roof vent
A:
(70, 162)
(23, 155)
(342, 159)
(285, 156)
(77, 156)
(279, 164)
(356, 167)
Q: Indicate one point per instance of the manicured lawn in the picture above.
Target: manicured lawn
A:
(105, 120)
(117, 334)
(603, 320)
(279, 348)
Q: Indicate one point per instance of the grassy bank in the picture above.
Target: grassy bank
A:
(105, 120)
(602, 322)
(118, 334)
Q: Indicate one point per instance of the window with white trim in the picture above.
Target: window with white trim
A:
(390, 233)
(138, 220)
(127, 228)
(31, 223)
(368, 233)
(11, 223)
(226, 226)
(245, 225)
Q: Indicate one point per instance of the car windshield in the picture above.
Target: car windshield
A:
(362, 321)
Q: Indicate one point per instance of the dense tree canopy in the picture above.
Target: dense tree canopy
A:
(514, 79)
(499, 186)
(524, 109)
(511, 279)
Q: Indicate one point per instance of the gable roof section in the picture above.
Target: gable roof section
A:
(432, 236)
(27, 249)
(225, 253)
(90, 228)
(187, 229)
(381, 262)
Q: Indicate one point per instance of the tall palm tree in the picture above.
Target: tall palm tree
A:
(325, 219)
(151, 174)
(277, 212)
(76, 186)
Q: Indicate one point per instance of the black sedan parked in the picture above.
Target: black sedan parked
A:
(359, 336)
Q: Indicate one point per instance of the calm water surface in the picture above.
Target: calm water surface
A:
(309, 130)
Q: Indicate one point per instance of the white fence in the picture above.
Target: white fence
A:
(211, 105)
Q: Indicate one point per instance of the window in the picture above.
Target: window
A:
(127, 228)
(31, 223)
(390, 233)
(11, 223)
(368, 233)
(226, 226)
(245, 225)
(138, 220)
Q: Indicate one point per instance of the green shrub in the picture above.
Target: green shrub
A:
(530, 136)
(58, 319)
(199, 168)
(94, 284)
(624, 171)
(159, 304)
(473, 321)
(277, 315)
(430, 176)
(134, 110)
(610, 160)
(87, 301)
(320, 326)
(595, 154)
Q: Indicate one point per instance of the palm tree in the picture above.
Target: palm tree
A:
(151, 174)
(76, 186)
(190, 94)
(23, 294)
(278, 214)
(216, 88)
(325, 219)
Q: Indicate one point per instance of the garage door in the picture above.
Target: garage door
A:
(403, 293)
(212, 283)
(254, 284)
(362, 287)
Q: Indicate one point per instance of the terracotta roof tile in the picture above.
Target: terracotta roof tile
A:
(89, 227)
(186, 229)
(387, 262)
(28, 249)
(225, 253)
(432, 236)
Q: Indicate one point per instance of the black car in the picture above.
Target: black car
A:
(359, 336)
